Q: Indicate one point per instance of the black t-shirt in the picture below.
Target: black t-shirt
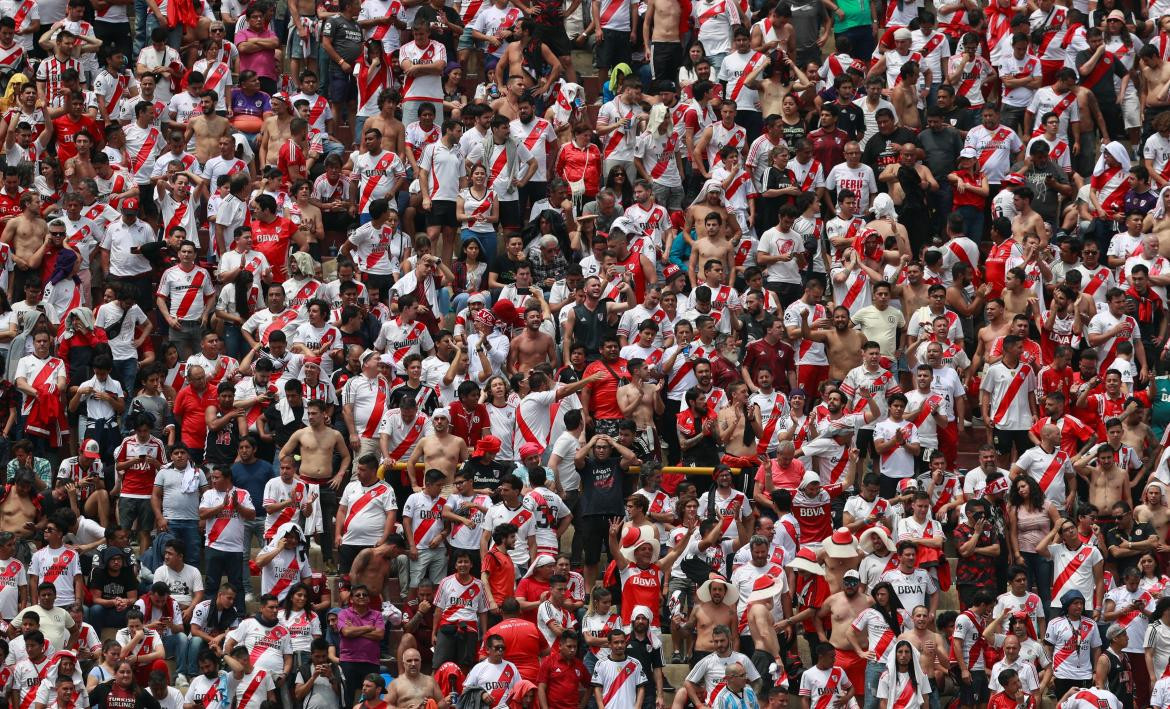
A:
(649, 657)
(487, 476)
(1104, 89)
(1137, 533)
(113, 586)
(221, 446)
(601, 487)
(281, 431)
(110, 696)
(439, 31)
(505, 269)
(882, 150)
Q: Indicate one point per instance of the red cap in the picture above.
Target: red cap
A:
(130, 204)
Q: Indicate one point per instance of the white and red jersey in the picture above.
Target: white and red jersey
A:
(218, 78)
(50, 70)
(143, 146)
(654, 222)
(267, 646)
(975, 74)
(1052, 22)
(619, 681)
(277, 490)
(1013, 67)
(111, 89)
(366, 509)
(388, 34)
(1110, 185)
(251, 691)
(1073, 643)
(913, 588)
(549, 509)
(1096, 282)
(773, 410)
(934, 48)
(178, 214)
(59, 567)
(615, 15)
(735, 70)
(495, 679)
(969, 633)
(660, 155)
(1011, 391)
(186, 291)
(326, 338)
(807, 351)
(368, 398)
(474, 508)
(896, 462)
(371, 249)
(138, 479)
(319, 111)
(1102, 322)
(425, 87)
(808, 176)
(722, 137)
(641, 587)
(377, 173)
(444, 167)
(524, 521)
(878, 631)
(895, 60)
(995, 148)
(371, 82)
(225, 532)
(826, 689)
(1157, 152)
(618, 144)
(284, 571)
(729, 510)
(534, 419)
(403, 435)
(862, 384)
(402, 339)
(13, 577)
(924, 404)
(417, 138)
(548, 613)
(1029, 603)
(426, 518)
(1072, 569)
(459, 602)
(1063, 105)
(540, 139)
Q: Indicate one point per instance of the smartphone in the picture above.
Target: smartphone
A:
(524, 291)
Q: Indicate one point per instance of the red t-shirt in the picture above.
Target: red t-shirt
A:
(468, 425)
(525, 645)
(501, 574)
(811, 592)
(291, 154)
(190, 408)
(272, 240)
(786, 477)
(603, 394)
(564, 680)
(66, 128)
(530, 590)
(10, 204)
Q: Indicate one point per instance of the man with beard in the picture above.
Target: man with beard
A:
(207, 128)
(706, 678)
(531, 346)
(442, 450)
(739, 426)
(715, 609)
(842, 608)
(842, 341)
(832, 441)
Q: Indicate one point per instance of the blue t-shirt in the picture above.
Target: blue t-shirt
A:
(252, 477)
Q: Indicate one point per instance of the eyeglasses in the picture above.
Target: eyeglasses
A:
(56, 233)
(733, 675)
(496, 648)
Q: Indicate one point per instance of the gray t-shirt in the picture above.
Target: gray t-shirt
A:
(346, 36)
(1047, 201)
(321, 696)
(157, 407)
(942, 151)
(178, 503)
(806, 26)
(603, 221)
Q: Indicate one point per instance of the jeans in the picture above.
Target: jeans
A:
(174, 36)
(229, 564)
(141, 35)
(1039, 577)
(487, 241)
(101, 617)
(126, 372)
(873, 672)
(178, 646)
(187, 337)
(972, 222)
(186, 531)
(444, 297)
(253, 529)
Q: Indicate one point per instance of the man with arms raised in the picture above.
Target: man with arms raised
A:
(841, 341)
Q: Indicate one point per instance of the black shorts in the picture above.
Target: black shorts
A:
(442, 214)
(665, 59)
(595, 532)
(1004, 440)
(510, 215)
(975, 692)
(341, 88)
(146, 205)
(615, 48)
(555, 38)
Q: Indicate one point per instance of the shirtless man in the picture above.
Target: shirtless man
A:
(316, 445)
(393, 132)
(27, 234)
(660, 31)
(708, 614)
(1159, 227)
(18, 513)
(904, 96)
(886, 225)
(1017, 299)
(907, 157)
(412, 689)
(713, 245)
(275, 132)
(442, 450)
(531, 347)
(1155, 73)
(1154, 511)
(639, 400)
(207, 128)
(733, 419)
(997, 326)
(508, 104)
(914, 293)
(841, 608)
(712, 202)
(1108, 482)
(1136, 431)
(927, 642)
(1027, 220)
(842, 341)
(375, 566)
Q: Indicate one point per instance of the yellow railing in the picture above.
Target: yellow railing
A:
(634, 469)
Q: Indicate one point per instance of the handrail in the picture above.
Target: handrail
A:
(633, 470)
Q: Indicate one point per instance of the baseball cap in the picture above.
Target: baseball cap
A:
(90, 449)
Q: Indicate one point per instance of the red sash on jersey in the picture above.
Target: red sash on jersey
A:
(618, 682)
(471, 11)
(835, 675)
(286, 515)
(119, 89)
(534, 135)
(369, 85)
(381, 31)
(928, 407)
(1150, 594)
(401, 352)
(177, 218)
(497, 168)
(216, 75)
(1009, 396)
(279, 323)
(1113, 200)
(747, 70)
(1099, 277)
(1054, 466)
(221, 523)
(854, 290)
(883, 643)
(368, 190)
(468, 593)
(806, 184)
(31, 693)
(292, 572)
(192, 292)
(482, 210)
(996, 137)
(1068, 35)
(59, 566)
(211, 694)
(711, 12)
(426, 57)
(618, 135)
(526, 430)
(255, 683)
(411, 437)
(905, 696)
(659, 168)
(360, 504)
(420, 532)
(1071, 568)
(770, 427)
(1079, 636)
(729, 516)
(683, 370)
(20, 16)
(145, 151)
(965, 87)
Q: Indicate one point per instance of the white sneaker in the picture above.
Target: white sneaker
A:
(250, 597)
(181, 682)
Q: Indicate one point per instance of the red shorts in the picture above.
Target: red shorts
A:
(948, 443)
(810, 376)
(1048, 69)
(854, 666)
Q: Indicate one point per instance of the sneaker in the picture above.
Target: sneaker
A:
(250, 597)
(676, 658)
(181, 682)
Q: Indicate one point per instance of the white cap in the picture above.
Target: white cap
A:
(901, 34)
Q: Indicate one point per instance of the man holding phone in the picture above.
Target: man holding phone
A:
(979, 544)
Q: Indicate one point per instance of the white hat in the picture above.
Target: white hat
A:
(641, 611)
(730, 598)
(841, 544)
(808, 479)
(805, 560)
(874, 535)
(902, 34)
(968, 153)
(658, 115)
(541, 560)
(634, 537)
(441, 412)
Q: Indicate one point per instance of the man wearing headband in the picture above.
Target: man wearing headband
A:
(441, 450)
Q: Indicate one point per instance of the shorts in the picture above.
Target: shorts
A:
(615, 48)
(298, 49)
(1131, 112)
(465, 40)
(555, 38)
(595, 533)
(863, 441)
(975, 692)
(442, 214)
(810, 377)
(510, 215)
(340, 88)
(136, 512)
(1004, 440)
(665, 58)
